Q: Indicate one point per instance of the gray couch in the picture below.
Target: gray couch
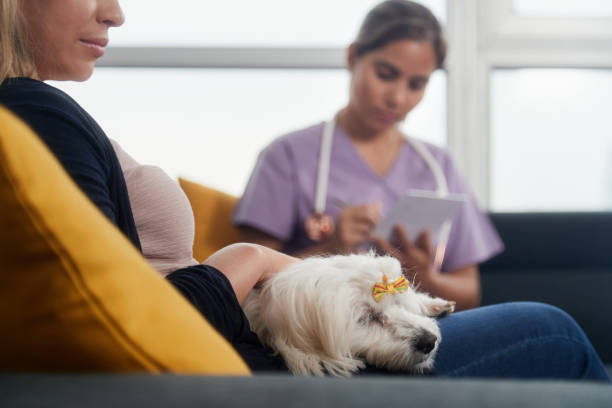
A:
(561, 258)
(564, 259)
(92, 391)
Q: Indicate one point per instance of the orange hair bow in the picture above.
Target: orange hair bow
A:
(381, 289)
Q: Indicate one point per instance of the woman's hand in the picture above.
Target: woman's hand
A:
(319, 226)
(416, 256)
(461, 285)
(353, 226)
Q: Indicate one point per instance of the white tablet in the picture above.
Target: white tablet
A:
(419, 210)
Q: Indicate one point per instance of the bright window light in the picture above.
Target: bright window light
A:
(564, 8)
(551, 146)
(246, 22)
(209, 124)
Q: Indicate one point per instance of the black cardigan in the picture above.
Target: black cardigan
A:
(78, 142)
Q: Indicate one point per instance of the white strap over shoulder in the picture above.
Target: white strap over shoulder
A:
(442, 191)
(324, 162)
(432, 163)
(419, 147)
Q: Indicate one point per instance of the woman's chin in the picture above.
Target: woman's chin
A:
(77, 74)
(82, 74)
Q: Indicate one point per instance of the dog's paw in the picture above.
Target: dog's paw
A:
(436, 307)
(445, 310)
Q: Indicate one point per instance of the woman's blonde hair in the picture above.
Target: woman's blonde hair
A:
(15, 58)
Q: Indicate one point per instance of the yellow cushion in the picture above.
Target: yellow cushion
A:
(212, 210)
(74, 293)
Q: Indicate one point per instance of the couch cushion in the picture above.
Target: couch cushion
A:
(212, 210)
(553, 240)
(561, 258)
(75, 294)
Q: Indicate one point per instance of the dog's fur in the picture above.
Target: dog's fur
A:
(320, 315)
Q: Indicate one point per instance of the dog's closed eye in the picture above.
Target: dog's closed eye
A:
(372, 317)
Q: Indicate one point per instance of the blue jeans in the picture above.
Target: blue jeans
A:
(520, 340)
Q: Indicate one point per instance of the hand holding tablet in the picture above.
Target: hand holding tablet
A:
(420, 210)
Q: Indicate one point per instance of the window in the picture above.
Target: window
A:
(551, 139)
(563, 8)
(531, 132)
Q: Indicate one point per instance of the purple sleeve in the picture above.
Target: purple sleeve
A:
(473, 238)
(269, 200)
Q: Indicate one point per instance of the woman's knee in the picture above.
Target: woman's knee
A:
(546, 316)
(519, 338)
(509, 323)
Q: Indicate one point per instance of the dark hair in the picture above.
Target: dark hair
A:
(394, 20)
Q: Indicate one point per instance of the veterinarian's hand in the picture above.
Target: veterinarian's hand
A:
(319, 226)
(416, 256)
(353, 226)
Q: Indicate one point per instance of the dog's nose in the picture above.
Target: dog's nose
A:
(425, 342)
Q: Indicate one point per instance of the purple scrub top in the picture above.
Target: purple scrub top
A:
(281, 192)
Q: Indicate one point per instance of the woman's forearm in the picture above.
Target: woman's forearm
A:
(247, 265)
(461, 285)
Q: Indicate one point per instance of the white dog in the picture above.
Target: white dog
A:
(329, 315)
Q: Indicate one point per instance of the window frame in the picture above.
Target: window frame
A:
(485, 35)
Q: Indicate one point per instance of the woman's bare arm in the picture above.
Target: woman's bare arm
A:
(247, 265)
(461, 285)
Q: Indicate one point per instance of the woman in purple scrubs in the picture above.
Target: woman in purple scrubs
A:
(371, 165)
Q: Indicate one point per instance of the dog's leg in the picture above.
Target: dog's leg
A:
(435, 307)
(344, 367)
(307, 364)
(299, 362)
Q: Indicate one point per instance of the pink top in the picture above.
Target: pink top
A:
(162, 213)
